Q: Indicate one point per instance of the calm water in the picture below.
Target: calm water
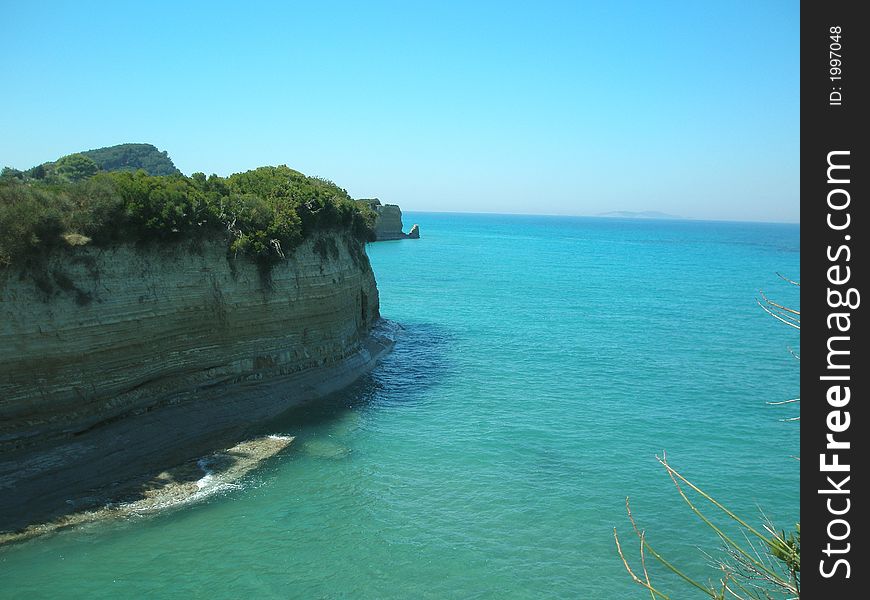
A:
(545, 361)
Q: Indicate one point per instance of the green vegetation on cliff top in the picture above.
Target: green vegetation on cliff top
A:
(264, 213)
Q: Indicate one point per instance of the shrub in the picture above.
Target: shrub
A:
(30, 218)
(265, 213)
(75, 167)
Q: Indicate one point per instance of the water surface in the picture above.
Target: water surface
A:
(545, 362)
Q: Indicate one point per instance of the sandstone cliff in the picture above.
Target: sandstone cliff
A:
(389, 222)
(115, 361)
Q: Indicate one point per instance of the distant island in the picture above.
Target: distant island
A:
(643, 214)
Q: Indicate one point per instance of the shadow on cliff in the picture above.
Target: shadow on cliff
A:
(419, 361)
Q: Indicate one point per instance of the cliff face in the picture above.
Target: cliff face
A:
(388, 225)
(118, 360)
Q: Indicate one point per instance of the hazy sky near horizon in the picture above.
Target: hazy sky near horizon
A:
(690, 108)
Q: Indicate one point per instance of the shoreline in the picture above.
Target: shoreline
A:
(171, 488)
(78, 479)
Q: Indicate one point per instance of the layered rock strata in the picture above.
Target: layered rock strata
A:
(117, 361)
(388, 225)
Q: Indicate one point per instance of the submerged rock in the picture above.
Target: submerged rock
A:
(188, 482)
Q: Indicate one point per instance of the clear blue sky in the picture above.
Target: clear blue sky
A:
(690, 108)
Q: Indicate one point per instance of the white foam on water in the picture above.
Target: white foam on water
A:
(207, 485)
(206, 479)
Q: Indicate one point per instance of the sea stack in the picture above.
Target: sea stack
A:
(389, 223)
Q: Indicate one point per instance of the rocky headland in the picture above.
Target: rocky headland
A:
(121, 361)
(388, 225)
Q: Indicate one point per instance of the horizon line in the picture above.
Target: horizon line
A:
(670, 218)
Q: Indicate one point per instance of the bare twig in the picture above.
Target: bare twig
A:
(634, 577)
(753, 563)
(783, 402)
(787, 320)
(784, 278)
(640, 535)
(779, 306)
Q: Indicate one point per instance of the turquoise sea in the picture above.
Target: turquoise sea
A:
(544, 362)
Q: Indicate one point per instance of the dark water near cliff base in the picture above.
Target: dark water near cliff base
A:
(545, 362)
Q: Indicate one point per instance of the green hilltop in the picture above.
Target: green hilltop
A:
(81, 165)
(132, 157)
(133, 193)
